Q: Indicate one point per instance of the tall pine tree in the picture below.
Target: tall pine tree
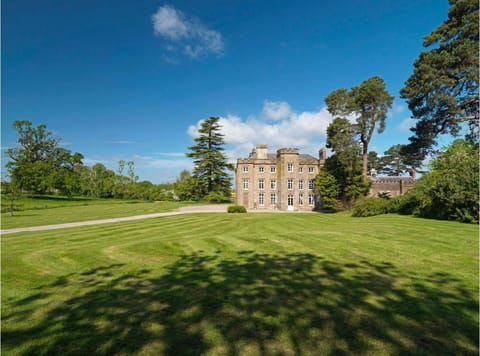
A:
(211, 165)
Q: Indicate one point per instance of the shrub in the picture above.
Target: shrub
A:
(370, 206)
(236, 209)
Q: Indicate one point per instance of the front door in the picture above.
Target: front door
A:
(290, 202)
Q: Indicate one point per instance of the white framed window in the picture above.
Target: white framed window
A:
(245, 184)
(289, 184)
(273, 169)
(300, 200)
(290, 167)
(311, 184)
(300, 184)
(300, 169)
(261, 199)
(290, 199)
(261, 184)
(310, 169)
(273, 198)
(261, 169)
(311, 199)
(273, 184)
(245, 169)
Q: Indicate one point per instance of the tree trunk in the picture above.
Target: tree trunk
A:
(364, 160)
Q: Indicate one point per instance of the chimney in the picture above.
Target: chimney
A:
(262, 151)
(322, 155)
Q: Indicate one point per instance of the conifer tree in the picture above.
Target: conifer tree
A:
(211, 165)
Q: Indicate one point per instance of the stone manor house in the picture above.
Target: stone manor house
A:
(278, 181)
(286, 180)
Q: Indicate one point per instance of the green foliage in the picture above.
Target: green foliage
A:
(327, 187)
(450, 191)
(217, 197)
(369, 102)
(236, 209)
(442, 92)
(211, 166)
(38, 165)
(370, 206)
(394, 162)
(186, 187)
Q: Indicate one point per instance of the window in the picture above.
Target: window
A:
(245, 169)
(261, 184)
(311, 199)
(290, 200)
(300, 200)
(273, 198)
(245, 184)
(273, 169)
(310, 169)
(273, 184)
(311, 184)
(261, 169)
(300, 170)
(300, 185)
(290, 184)
(290, 167)
(261, 199)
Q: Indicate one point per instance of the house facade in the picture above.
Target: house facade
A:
(284, 180)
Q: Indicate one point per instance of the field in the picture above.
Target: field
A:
(56, 210)
(243, 284)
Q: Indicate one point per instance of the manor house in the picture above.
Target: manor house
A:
(283, 180)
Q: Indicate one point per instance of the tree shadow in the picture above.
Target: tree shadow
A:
(249, 303)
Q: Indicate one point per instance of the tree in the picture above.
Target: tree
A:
(327, 187)
(39, 165)
(393, 161)
(211, 166)
(369, 102)
(450, 190)
(186, 186)
(344, 166)
(374, 161)
(442, 93)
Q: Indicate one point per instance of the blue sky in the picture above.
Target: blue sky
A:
(131, 79)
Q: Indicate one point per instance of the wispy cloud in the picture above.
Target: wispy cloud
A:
(171, 154)
(122, 142)
(406, 124)
(184, 34)
(305, 130)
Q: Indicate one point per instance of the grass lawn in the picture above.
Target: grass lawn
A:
(243, 284)
(57, 210)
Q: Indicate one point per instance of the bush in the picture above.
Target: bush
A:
(236, 209)
(370, 206)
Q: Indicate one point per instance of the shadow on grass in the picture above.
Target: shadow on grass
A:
(249, 303)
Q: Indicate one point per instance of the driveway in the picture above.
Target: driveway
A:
(194, 209)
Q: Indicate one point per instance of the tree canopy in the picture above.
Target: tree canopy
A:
(442, 93)
(211, 165)
(369, 103)
(38, 164)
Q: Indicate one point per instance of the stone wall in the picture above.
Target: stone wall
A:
(394, 186)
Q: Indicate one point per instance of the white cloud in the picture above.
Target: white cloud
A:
(305, 130)
(187, 34)
(122, 142)
(406, 124)
(276, 110)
